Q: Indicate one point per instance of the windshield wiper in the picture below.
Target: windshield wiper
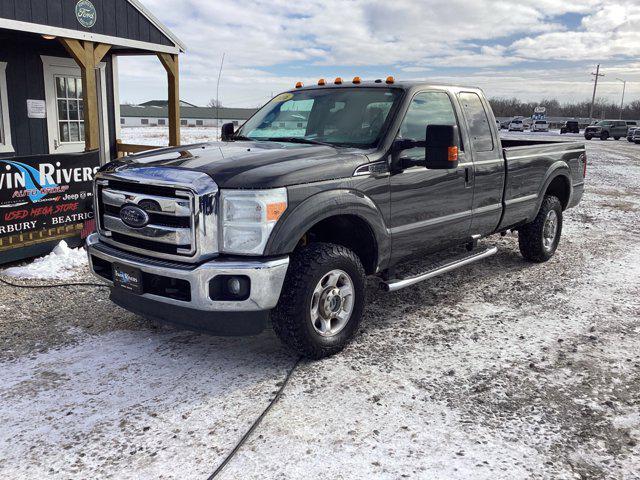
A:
(295, 140)
(242, 137)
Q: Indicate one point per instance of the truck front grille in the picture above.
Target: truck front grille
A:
(181, 220)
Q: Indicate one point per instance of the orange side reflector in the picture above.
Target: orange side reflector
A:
(299, 85)
(321, 82)
(390, 80)
(275, 211)
(453, 154)
(338, 81)
(356, 80)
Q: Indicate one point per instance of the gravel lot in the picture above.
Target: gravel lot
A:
(501, 370)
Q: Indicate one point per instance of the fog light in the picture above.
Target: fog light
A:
(234, 286)
(230, 288)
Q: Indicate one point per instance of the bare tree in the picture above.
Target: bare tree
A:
(213, 103)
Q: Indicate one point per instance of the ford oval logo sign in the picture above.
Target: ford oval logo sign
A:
(134, 216)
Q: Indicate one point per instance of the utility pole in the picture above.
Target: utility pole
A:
(218, 99)
(595, 87)
(624, 88)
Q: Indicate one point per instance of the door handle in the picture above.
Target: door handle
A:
(467, 177)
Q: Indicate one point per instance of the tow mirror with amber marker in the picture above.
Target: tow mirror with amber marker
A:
(227, 132)
(441, 147)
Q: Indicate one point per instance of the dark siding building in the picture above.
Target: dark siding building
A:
(60, 112)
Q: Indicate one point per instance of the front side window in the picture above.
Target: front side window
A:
(70, 108)
(338, 116)
(427, 108)
(5, 130)
(479, 127)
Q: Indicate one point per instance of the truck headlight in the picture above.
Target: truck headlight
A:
(248, 217)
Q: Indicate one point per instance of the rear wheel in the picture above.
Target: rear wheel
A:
(539, 239)
(322, 300)
(588, 137)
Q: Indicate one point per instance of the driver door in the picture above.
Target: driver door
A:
(430, 209)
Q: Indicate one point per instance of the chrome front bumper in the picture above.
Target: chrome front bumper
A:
(266, 276)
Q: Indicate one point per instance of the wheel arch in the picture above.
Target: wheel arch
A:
(340, 209)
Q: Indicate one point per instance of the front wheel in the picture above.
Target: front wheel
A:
(539, 239)
(604, 136)
(322, 300)
(588, 137)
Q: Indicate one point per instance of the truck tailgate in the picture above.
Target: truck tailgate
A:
(527, 169)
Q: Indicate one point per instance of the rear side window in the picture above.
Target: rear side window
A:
(479, 128)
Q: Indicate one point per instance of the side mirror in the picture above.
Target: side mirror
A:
(227, 132)
(441, 147)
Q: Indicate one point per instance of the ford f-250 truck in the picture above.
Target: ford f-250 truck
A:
(324, 185)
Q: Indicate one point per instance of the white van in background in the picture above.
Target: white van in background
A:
(540, 126)
(516, 125)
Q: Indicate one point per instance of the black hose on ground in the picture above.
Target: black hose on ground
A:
(54, 285)
(256, 423)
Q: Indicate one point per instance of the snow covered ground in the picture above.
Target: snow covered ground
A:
(502, 370)
(62, 263)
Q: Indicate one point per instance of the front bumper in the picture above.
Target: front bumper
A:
(266, 278)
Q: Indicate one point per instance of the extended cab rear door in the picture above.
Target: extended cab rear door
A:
(484, 155)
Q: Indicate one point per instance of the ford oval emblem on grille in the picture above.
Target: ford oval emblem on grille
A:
(134, 216)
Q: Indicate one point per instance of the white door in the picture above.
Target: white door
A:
(65, 107)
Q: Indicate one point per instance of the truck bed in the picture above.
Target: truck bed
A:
(528, 165)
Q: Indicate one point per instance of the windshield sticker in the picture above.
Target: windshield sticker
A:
(283, 97)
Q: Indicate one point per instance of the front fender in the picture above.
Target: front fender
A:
(295, 224)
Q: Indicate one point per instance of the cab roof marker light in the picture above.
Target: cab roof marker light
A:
(356, 80)
(390, 80)
(322, 82)
(299, 85)
(338, 81)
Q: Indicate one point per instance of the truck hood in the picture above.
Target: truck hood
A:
(251, 164)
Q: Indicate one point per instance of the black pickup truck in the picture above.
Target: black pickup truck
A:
(324, 185)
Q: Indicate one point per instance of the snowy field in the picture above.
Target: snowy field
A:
(502, 370)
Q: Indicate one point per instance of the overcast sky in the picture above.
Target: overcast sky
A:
(530, 49)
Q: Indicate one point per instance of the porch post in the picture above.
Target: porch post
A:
(87, 55)
(170, 63)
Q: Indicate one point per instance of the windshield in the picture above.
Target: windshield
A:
(541, 123)
(337, 116)
(604, 123)
(516, 121)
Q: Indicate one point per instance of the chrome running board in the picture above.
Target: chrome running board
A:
(397, 284)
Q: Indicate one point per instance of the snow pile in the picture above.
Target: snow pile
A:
(62, 263)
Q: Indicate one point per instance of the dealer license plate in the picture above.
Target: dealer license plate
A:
(127, 278)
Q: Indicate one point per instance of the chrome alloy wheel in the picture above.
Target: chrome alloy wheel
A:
(550, 230)
(332, 303)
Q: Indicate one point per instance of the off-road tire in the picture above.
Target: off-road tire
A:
(588, 137)
(291, 318)
(604, 136)
(530, 236)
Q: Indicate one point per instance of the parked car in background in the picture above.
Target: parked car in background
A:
(636, 136)
(516, 125)
(570, 126)
(631, 123)
(607, 128)
(540, 126)
(631, 132)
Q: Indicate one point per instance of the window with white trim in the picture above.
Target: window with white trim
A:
(70, 108)
(5, 130)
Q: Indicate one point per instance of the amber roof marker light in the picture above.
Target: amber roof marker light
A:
(299, 85)
(390, 80)
(338, 81)
(321, 82)
(356, 80)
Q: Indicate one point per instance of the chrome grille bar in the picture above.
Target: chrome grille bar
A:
(157, 233)
(179, 207)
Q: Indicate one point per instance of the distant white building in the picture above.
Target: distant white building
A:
(155, 113)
